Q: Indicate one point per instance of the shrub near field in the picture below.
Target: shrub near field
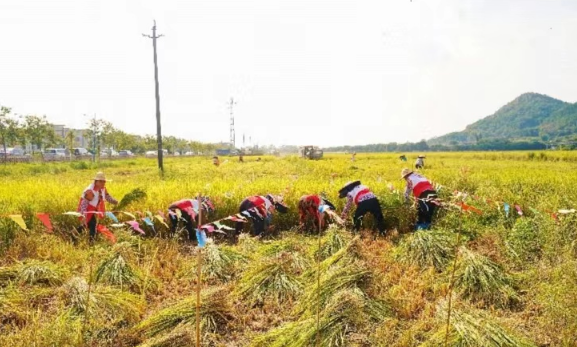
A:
(515, 278)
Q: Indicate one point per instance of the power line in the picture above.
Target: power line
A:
(157, 96)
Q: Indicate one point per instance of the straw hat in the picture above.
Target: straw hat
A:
(100, 177)
(405, 172)
(277, 201)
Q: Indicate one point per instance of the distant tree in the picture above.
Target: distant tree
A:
(169, 143)
(150, 143)
(6, 127)
(421, 146)
(94, 132)
(39, 131)
(195, 147)
(70, 142)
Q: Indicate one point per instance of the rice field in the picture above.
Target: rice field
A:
(505, 279)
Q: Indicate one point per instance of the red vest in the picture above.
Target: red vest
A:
(91, 210)
(420, 184)
(260, 202)
(309, 204)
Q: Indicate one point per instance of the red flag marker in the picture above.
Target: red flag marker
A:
(106, 233)
(45, 219)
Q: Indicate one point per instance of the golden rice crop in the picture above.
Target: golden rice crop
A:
(384, 292)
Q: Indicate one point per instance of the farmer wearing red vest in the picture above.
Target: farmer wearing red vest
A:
(366, 201)
(91, 204)
(309, 209)
(189, 213)
(260, 210)
(425, 195)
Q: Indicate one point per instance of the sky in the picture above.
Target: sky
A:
(320, 72)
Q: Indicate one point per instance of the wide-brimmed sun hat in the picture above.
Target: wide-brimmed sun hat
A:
(277, 201)
(405, 172)
(100, 177)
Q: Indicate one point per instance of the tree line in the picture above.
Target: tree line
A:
(423, 146)
(25, 130)
(101, 135)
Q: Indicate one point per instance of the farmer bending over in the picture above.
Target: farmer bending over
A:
(260, 210)
(189, 211)
(309, 209)
(420, 162)
(366, 201)
(91, 204)
(425, 195)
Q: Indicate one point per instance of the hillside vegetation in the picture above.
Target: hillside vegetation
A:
(530, 116)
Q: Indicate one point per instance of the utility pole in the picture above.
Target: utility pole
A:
(157, 95)
(231, 104)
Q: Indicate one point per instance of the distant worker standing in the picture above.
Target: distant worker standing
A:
(420, 162)
(91, 204)
(215, 161)
(425, 195)
(366, 201)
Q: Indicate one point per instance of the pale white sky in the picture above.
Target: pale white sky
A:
(322, 72)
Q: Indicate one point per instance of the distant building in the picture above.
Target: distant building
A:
(79, 140)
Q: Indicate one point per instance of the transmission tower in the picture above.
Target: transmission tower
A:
(231, 104)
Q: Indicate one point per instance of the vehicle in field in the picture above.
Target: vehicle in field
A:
(311, 152)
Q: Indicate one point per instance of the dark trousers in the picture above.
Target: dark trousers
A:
(426, 209)
(91, 227)
(369, 206)
(258, 225)
(188, 224)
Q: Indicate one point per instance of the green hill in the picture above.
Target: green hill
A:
(561, 123)
(529, 116)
